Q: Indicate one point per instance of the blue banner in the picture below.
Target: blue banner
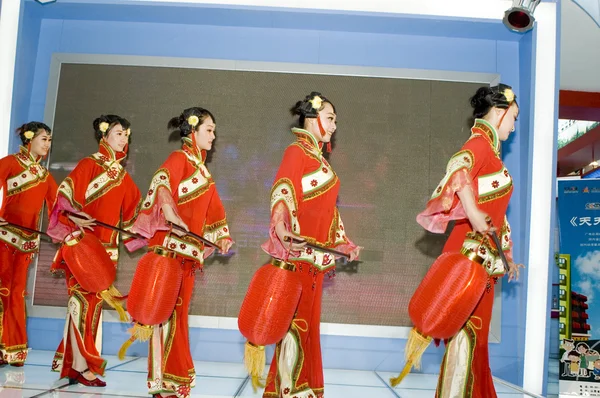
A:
(579, 228)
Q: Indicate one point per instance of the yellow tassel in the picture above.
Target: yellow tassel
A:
(138, 332)
(124, 347)
(415, 347)
(111, 296)
(141, 332)
(254, 359)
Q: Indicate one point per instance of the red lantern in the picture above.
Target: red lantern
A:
(267, 311)
(92, 267)
(270, 303)
(88, 261)
(443, 303)
(155, 287)
(447, 296)
(153, 294)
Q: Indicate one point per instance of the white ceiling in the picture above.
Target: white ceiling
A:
(579, 50)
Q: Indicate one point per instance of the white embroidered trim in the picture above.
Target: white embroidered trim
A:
(495, 182)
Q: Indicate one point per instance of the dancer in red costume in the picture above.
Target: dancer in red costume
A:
(303, 207)
(182, 192)
(26, 184)
(100, 189)
(476, 186)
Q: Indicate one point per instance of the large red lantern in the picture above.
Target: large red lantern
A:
(443, 303)
(90, 264)
(88, 261)
(153, 294)
(448, 294)
(267, 311)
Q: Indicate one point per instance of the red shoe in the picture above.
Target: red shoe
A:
(73, 376)
(77, 377)
(17, 365)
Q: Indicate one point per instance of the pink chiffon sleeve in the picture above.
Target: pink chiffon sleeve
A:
(151, 220)
(274, 247)
(444, 205)
(57, 229)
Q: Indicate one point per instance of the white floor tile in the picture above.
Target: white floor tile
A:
(216, 387)
(37, 357)
(351, 377)
(231, 370)
(338, 391)
(247, 392)
(29, 376)
(8, 392)
(97, 393)
(133, 384)
(131, 365)
(417, 381)
(405, 393)
(513, 395)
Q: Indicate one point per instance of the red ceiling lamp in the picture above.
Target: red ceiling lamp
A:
(519, 18)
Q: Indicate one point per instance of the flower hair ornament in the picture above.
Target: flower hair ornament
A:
(509, 95)
(316, 102)
(193, 120)
(103, 127)
(28, 134)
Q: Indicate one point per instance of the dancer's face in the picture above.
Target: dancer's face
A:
(328, 121)
(508, 122)
(40, 144)
(205, 135)
(117, 138)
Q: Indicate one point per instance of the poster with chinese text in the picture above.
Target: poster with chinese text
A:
(579, 227)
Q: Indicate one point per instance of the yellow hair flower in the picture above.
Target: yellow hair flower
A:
(316, 102)
(29, 134)
(193, 120)
(103, 127)
(510, 95)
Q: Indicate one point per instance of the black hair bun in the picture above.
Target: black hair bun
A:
(486, 98)
(196, 115)
(33, 127)
(482, 98)
(111, 121)
(305, 108)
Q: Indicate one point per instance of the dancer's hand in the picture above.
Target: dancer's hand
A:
(513, 270)
(224, 245)
(293, 242)
(479, 221)
(173, 218)
(3, 221)
(82, 223)
(355, 253)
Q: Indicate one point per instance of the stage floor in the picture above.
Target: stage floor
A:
(215, 379)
